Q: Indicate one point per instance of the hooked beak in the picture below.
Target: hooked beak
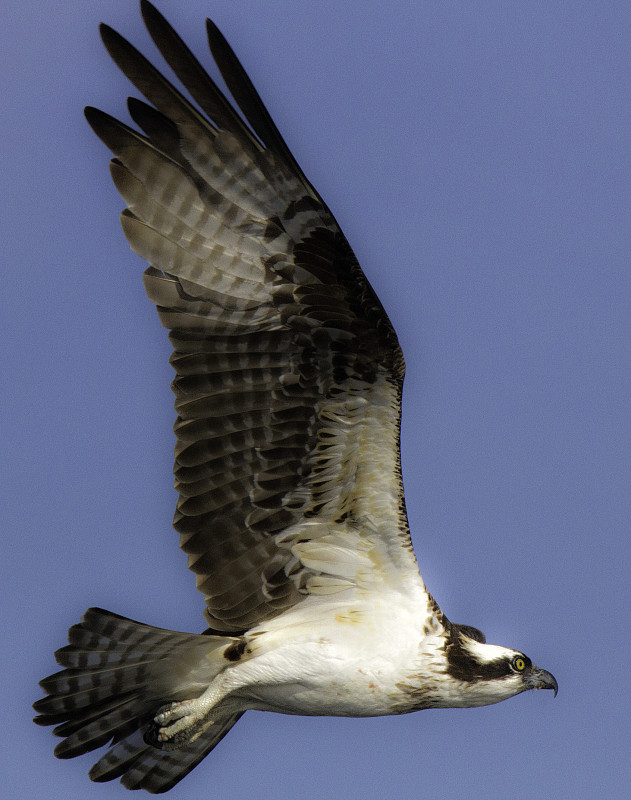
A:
(541, 679)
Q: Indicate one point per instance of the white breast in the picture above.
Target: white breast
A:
(341, 658)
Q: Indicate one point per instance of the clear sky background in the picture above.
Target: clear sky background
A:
(477, 156)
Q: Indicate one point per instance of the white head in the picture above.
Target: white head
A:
(479, 674)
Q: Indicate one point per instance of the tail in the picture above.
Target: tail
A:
(118, 674)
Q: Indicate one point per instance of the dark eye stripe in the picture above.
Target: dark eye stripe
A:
(464, 667)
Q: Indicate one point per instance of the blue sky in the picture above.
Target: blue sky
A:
(477, 156)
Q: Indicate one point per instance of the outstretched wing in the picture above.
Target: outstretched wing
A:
(288, 371)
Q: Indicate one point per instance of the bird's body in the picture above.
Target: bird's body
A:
(344, 659)
(291, 510)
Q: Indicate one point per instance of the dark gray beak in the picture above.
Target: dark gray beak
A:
(541, 679)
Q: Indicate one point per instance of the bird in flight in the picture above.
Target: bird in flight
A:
(287, 462)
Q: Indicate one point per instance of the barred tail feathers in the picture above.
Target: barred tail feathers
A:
(117, 674)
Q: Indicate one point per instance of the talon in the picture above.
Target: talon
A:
(176, 725)
(169, 731)
(172, 712)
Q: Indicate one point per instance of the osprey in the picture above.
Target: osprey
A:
(291, 508)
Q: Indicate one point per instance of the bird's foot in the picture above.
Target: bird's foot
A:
(178, 724)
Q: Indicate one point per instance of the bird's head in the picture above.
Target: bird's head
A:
(481, 674)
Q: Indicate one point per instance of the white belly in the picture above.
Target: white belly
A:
(347, 662)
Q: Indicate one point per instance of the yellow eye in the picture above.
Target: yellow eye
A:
(519, 663)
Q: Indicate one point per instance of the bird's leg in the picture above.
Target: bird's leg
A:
(178, 724)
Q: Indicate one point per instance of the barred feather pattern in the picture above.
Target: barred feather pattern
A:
(288, 379)
(282, 351)
(117, 674)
